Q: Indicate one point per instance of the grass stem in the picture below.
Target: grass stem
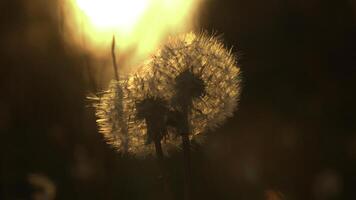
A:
(114, 58)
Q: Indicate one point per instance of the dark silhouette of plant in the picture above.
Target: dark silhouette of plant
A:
(190, 85)
(154, 111)
(200, 79)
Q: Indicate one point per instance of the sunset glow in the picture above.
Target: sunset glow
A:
(138, 25)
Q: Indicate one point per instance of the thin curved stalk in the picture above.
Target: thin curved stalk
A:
(114, 58)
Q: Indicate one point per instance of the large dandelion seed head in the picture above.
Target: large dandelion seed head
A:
(198, 72)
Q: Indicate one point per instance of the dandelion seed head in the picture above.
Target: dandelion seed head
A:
(124, 116)
(200, 68)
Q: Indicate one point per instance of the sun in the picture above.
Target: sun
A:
(115, 15)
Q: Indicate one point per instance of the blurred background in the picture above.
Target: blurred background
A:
(293, 136)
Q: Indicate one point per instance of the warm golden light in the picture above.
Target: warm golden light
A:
(138, 25)
(111, 14)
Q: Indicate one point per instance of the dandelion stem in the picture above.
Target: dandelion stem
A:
(187, 166)
(167, 194)
(186, 153)
(159, 151)
(114, 58)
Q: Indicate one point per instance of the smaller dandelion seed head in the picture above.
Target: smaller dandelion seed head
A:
(130, 119)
